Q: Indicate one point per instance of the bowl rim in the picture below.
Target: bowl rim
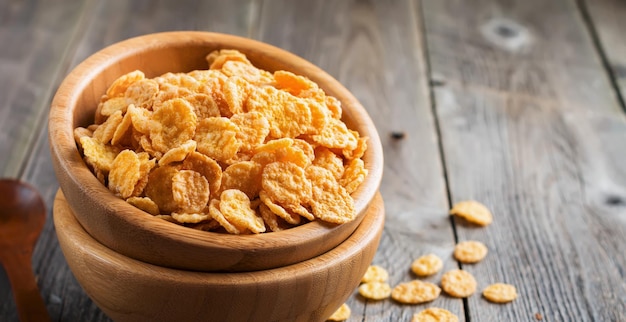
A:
(69, 163)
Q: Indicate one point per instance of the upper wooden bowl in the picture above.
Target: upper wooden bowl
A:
(138, 235)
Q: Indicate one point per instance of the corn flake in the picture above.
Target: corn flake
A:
(172, 124)
(435, 314)
(375, 273)
(415, 292)
(217, 138)
(341, 314)
(235, 206)
(190, 191)
(375, 290)
(458, 283)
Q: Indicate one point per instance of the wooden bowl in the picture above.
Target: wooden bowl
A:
(130, 290)
(136, 234)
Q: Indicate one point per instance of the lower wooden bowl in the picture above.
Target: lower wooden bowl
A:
(130, 290)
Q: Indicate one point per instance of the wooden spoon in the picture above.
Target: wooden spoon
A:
(22, 216)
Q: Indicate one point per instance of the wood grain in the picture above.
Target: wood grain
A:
(606, 21)
(375, 50)
(531, 128)
(34, 37)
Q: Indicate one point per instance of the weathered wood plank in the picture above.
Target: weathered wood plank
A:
(375, 50)
(608, 23)
(530, 127)
(34, 36)
(104, 23)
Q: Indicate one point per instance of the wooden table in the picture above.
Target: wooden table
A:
(517, 104)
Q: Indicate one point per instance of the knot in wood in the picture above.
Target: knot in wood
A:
(506, 34)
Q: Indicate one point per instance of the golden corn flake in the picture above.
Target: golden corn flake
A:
(353, 175)
(500, 293)
(142, 93)
(123, 130)
(341, 314)
(207, 167)
(415, 292)
(253, 129)
(375, 290)
(104, 133)
(190, 191)
(216, 214)
(120, 85)
(472, 211)
(427, 265)
(179, 153)
(326, 158)
(330, 202)
(435, 314)
(159, 188)
(190, 218)
(203, 105)
(458, 283)
(286, 183)
(469, 252)
(172, 124)
(113, 105)
(217, 138)
(235, 206)
(124, 174)
(144, 203)
(375, 273)
(232, 148)
(278, 210)
(97, 154)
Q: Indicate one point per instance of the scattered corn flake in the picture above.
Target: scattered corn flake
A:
(435, 314)
(120, 85)
(341, 314)
(375, 290)
(330, 202)
(179, 153)
(190, 191)
(458, 283)
(124, 173)
(500, 293)
(472, 211)
(415, 292)
(427, 265)
(236, 91)
(375, 273)
(235, 206)
(245, 176)
(281, 150)
(144, 203)
(217, 138)
(469, 252)
(172, 125)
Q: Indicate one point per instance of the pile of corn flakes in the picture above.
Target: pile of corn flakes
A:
(233, 148)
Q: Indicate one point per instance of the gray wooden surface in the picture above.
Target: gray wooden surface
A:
(518, 104)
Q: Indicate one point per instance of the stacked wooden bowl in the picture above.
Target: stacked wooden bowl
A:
(138, 267)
